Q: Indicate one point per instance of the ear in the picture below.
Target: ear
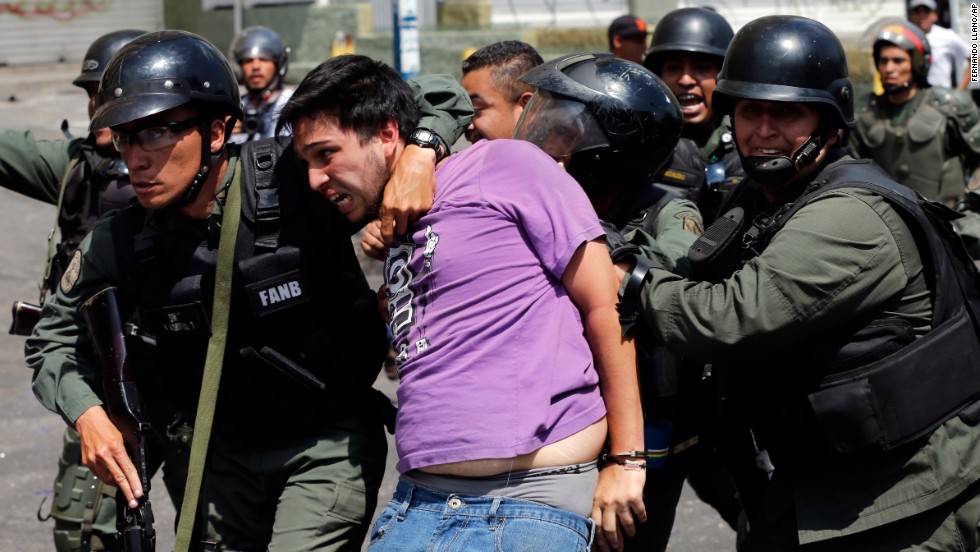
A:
(217, 135)
(388, 135)
(617, 41)
(835, 137)
(525, 97)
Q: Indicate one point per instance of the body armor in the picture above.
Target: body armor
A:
(848, 381)
(916, 152)
(95, 185)
(305, 340)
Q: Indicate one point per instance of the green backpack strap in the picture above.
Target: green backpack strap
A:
(212, 367)
(54, 230)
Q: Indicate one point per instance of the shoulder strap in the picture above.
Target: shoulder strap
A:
(930, 223)
(61, 197)
(261, 199)
(212, 367)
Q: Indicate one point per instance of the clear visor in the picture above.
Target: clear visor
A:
(559, 126)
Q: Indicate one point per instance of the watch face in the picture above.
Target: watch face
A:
(424, 136)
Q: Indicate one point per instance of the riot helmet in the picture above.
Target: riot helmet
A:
(784, 58)
(163, 70)
(909, 38)
(606, 118)
(692, 30)
(99, 53)
(261, 42)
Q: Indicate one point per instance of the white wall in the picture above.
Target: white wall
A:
(65, 35)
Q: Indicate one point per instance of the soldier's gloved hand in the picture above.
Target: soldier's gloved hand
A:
(619, 249)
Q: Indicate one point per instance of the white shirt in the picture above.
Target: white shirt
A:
(949, 52)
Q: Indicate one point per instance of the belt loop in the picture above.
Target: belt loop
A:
(492, 518)
(403, 509)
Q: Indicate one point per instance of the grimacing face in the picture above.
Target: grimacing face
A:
(777, 129)
(350, 172)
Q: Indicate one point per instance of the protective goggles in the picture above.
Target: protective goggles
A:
(152, 138)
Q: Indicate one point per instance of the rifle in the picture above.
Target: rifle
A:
(101, 314)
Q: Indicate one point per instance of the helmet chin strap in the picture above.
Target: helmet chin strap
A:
(771, 171)
(208, 160)
(897, 88)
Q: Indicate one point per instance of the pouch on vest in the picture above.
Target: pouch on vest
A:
(275, 281)
(184, 315)
(905, 394)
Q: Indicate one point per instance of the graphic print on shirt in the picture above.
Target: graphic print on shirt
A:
(403, 289)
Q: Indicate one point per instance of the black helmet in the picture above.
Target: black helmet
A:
(785, 58)
(606, 117)
(163, 70)
(261, 42)
(99, 53)
(908, 37)
(695, 30)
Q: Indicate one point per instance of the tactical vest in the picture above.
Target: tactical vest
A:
(643, 210)
(95, 185)
(705, 177)
(305, 340)
(915, 153)
(871, 386)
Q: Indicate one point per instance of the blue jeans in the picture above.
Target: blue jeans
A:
(418, 519)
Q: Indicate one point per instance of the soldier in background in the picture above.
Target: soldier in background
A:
(85, 178)
(686, 51)
(924, 136)
(262, 60)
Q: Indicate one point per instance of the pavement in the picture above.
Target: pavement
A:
(38, 98)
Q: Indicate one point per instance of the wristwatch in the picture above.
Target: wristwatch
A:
(425, 138)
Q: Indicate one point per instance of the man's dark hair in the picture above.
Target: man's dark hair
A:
(507, 61)
(363, 94)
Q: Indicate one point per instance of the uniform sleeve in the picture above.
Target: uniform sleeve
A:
(548, 204)
(66, 377)
(833, 261)
(679, 224)
(444, 106)
(32, 167)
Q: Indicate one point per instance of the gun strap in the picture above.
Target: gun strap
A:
(212, 367)
(54, 230)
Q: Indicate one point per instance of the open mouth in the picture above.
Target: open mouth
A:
(341, 200)
(690, 102)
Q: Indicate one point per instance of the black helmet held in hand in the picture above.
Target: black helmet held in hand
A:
(261, 42)
(99, 53)
(908, 37)
(605, 118)
(690, 30)
(162, 70)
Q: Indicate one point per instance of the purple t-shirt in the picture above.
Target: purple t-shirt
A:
(493, 360)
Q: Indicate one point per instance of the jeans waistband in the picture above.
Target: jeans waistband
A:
(409, 495)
